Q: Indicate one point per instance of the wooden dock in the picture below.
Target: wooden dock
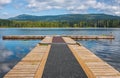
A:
(33, 64)
(16, 37)
(92, 65)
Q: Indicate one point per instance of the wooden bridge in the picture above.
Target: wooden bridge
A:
(61, 57)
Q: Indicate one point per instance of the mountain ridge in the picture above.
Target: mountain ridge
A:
(64, 17)
(66, 20)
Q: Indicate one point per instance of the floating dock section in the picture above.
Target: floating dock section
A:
(91, 37)
(61, 57)
(16, 37)
(20, 37)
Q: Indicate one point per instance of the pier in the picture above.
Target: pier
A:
(61, 57)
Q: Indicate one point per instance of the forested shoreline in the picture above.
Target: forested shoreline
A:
(79, 24)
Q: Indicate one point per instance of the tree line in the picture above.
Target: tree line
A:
(85, 23)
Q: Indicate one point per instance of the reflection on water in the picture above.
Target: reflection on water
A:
(12, 51)
(56, 31)
(4, 54)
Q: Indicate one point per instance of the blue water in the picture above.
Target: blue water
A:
(11, 51)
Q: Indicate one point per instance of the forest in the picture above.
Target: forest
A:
(83, 23)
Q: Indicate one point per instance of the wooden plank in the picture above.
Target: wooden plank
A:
(109, 76)
(40, 69)
(47, 40)
(69, 40)
(18, 77)
(20, 74)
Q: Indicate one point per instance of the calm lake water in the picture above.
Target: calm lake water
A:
(11, 51)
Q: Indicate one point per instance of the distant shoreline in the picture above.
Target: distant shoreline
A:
(58, 28)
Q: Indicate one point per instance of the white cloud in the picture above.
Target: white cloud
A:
(4, 68)
(77, 6)
(4, 2)
(5, 14)
(117, 13)
(4, 54)
(18, 6)
(117, 1)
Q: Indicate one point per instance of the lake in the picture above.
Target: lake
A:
(12, 51)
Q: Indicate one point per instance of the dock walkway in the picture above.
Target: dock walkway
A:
(61, 57)
(61, 63)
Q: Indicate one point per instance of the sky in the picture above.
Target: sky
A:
(11, 8)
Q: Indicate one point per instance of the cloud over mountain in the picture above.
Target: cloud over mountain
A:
(56, 7)
(77, 6)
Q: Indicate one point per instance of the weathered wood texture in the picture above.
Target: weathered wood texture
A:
(17, 37)
(91, 64)
(91, 37)
(32, 65)
(22, 37)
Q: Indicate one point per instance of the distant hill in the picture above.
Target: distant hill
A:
(66, 20)
(65, 17)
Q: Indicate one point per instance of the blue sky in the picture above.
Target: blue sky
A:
(11, 8)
